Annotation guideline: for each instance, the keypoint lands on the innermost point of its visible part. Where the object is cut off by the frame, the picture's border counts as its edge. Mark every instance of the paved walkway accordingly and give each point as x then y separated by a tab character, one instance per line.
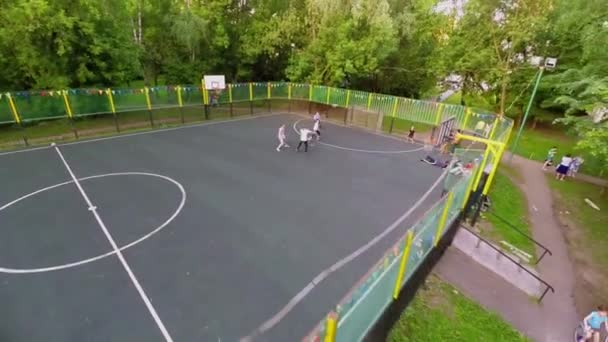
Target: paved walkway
554	319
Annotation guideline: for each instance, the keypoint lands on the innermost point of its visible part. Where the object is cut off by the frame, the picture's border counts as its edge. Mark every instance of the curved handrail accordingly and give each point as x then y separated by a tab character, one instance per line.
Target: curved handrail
547	285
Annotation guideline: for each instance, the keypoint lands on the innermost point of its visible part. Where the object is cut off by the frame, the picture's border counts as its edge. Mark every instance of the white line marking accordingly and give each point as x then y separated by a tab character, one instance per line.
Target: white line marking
124	263
295	128
99	257
159	130
274	320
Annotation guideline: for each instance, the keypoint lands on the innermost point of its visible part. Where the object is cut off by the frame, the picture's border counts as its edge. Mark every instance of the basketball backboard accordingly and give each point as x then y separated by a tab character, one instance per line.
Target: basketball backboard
215	82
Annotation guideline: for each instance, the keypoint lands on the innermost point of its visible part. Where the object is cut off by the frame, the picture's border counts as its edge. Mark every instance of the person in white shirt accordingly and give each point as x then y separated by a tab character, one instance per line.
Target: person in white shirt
564	166
282	138
315	128
304	134
317	117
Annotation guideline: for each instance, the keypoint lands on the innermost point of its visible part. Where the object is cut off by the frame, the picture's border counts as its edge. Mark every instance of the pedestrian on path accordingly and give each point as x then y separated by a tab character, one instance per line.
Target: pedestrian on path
564	166
593	324
317	129
575	166
282	138
550	156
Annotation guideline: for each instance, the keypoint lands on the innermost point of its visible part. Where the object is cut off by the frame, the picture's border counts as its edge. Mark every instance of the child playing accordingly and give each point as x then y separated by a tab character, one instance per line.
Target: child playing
410	135
282	138
550	156
564	166
304	135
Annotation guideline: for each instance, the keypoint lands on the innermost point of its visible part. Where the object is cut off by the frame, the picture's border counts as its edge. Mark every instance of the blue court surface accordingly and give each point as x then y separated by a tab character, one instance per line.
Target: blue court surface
198	233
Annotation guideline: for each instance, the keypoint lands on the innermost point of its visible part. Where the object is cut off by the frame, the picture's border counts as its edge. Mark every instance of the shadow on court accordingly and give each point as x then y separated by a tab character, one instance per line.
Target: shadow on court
220	230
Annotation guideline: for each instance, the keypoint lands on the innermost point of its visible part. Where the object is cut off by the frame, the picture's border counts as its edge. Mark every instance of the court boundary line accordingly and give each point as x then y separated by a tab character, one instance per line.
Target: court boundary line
151	131
105	255
123	261
295	128
302	294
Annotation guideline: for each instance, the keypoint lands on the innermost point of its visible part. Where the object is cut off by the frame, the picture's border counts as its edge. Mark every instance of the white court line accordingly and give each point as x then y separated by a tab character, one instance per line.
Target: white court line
295	128
279	316
159	130
124	263
110	253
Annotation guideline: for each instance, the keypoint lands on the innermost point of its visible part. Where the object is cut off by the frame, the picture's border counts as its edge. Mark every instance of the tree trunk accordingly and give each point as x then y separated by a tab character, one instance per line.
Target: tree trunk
503	96
534	123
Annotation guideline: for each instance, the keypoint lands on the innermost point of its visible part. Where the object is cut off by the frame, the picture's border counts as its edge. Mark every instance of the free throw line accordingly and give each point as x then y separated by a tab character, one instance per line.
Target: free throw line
119	254
300	296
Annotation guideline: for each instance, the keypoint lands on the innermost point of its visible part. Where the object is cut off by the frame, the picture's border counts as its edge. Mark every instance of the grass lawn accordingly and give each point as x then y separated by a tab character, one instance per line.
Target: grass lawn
509	203
585	231
440	313
534	145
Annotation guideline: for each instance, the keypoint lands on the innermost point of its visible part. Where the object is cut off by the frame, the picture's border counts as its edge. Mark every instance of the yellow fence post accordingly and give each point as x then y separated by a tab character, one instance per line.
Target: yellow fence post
66	102
250	91
113	108
179	96
444	217
438	114
395	107
328	92
331	327
230	92
369	101
148	102
269	92
467	115
403	265
11	104
347	98
289	91
310	92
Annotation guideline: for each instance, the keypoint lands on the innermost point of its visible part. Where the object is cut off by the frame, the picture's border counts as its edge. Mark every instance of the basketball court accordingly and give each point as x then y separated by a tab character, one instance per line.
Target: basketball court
198	233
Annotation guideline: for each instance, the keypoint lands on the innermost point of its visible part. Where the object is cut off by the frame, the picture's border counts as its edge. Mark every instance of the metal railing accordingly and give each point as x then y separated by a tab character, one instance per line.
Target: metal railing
539	279
512	226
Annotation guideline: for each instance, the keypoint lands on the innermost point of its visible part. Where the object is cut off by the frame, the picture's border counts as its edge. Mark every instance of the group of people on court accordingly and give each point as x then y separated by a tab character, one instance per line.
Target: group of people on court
305	134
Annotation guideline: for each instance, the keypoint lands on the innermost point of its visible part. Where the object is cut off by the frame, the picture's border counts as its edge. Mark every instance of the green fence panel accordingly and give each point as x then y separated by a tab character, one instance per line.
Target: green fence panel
40	105
163	97
6	115
299	91
370	299
85	103
191	95
260	91
240	92
359	99
337	97
319	94
279	90
130	100
457	112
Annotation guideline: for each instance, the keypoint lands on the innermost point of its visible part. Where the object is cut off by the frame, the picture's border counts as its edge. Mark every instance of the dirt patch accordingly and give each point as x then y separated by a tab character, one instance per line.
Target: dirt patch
436	298
589	277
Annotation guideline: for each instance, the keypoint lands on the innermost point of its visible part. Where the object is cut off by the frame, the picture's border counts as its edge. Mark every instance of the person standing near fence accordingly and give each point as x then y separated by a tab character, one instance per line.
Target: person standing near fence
410	135
317	117
304	136
282	138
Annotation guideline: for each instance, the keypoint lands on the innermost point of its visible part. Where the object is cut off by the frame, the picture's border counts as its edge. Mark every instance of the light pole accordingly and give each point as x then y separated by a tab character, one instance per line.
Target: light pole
549	64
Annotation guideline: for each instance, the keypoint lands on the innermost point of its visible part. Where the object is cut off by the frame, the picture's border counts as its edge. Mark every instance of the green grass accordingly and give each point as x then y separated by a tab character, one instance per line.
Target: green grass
509	203
534	145
571	196
440	313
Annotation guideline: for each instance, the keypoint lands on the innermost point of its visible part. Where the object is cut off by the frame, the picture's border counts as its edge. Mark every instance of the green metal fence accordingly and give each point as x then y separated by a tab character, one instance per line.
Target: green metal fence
102	110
